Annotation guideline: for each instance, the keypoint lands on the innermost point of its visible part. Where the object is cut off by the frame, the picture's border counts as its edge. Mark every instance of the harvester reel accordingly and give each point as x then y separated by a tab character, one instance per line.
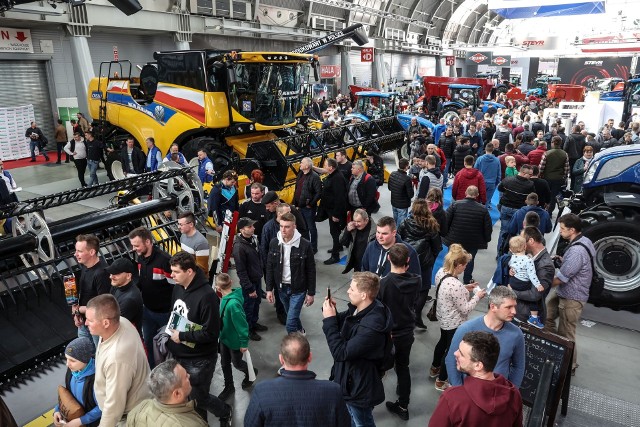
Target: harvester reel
34	224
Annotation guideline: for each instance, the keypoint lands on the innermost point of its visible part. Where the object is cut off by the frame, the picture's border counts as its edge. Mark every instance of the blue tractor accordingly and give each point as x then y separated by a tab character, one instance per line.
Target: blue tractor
609	206
542	86
465	96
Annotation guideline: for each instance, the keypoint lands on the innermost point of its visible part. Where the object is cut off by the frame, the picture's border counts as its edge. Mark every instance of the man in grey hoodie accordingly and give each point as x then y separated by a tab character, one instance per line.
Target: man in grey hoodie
291	267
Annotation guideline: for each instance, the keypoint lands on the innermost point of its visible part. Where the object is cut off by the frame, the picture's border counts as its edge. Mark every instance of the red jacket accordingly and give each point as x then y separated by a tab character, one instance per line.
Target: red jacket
535	156
479	402
465	178
443	159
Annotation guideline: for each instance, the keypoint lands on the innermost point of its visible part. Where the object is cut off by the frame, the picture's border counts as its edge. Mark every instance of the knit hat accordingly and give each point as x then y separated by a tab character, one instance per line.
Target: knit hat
81	349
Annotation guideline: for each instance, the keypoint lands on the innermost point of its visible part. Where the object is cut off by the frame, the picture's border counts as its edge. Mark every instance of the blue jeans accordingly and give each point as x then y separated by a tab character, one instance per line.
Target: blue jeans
361	417
292	306
505	217
93	172
151	322
83	332
491	189
309	215
32	146
399	215
446	173
468	271
251	306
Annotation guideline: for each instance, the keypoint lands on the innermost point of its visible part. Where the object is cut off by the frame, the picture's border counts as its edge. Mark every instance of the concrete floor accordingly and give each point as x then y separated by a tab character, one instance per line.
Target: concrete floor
604	390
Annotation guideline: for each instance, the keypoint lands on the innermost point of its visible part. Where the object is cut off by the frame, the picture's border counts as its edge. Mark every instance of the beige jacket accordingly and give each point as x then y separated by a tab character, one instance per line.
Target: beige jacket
152	413
121	374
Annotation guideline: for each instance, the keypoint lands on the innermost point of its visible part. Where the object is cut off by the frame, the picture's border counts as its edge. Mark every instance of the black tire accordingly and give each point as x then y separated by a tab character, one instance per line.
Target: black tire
402	152
616	237
448	112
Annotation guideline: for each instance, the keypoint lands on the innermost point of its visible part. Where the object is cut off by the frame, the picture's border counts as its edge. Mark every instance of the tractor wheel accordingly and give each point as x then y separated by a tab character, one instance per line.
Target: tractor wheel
616	237
449	113
220	154
402	153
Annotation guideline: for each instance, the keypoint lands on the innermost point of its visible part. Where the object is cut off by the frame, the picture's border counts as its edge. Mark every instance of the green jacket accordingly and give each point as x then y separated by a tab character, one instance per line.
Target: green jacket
234	332
151	412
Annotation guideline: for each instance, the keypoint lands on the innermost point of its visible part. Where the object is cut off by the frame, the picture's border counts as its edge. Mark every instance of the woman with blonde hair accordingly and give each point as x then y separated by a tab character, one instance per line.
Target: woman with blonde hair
420	230
454	306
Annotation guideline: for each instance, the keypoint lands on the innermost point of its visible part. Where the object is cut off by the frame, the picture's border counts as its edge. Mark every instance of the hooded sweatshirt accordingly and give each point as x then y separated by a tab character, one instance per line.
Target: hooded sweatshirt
479	402
286	247
489	166
465	178
234	330
375	258
399	293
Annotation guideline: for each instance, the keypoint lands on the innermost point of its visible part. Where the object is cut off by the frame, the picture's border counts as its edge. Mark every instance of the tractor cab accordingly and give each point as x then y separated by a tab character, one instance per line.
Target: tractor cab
376	105
542	85
631	98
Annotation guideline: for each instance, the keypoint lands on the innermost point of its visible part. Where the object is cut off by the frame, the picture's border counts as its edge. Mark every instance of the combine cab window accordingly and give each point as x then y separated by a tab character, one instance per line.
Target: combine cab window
268	94
182	69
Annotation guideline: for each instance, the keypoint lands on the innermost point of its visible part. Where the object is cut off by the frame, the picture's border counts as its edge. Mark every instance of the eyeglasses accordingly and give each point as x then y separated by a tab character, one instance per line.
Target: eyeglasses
184	223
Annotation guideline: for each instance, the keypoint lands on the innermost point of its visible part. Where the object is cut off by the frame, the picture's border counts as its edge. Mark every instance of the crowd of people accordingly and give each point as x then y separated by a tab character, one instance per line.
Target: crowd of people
150	329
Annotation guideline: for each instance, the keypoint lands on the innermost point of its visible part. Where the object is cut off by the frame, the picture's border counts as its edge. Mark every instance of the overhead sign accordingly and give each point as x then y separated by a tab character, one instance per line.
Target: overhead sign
115	53
450	61
366	54
480	58
501	60
15	40
537	43
329	71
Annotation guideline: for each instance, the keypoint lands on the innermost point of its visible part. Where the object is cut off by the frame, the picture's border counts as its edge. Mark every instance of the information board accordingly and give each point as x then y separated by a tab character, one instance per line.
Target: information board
14	121
541	346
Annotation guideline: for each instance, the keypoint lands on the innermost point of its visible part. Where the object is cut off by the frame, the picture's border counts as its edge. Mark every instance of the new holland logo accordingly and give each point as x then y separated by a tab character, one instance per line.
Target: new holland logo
478	57
499	60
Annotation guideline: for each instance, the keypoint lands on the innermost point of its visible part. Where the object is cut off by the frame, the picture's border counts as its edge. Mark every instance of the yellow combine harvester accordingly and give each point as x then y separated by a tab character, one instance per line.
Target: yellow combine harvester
245	108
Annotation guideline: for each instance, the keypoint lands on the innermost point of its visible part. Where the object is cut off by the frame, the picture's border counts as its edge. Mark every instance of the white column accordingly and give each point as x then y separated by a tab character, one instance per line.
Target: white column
346	76
84	70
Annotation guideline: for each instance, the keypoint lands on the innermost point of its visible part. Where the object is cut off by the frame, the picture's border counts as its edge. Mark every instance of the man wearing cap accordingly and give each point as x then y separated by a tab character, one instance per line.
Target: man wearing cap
122	273
249	269
271	201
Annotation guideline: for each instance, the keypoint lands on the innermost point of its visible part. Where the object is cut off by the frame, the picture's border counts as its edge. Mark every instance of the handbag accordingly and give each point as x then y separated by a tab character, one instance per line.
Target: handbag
70	408
321	214
431	315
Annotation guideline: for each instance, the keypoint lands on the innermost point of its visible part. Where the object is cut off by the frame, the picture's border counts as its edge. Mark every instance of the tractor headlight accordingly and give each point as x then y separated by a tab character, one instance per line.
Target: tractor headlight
591	171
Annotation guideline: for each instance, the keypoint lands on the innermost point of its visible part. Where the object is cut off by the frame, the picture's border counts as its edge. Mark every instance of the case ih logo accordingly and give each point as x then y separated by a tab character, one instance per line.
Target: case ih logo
478	57
499	60
595	63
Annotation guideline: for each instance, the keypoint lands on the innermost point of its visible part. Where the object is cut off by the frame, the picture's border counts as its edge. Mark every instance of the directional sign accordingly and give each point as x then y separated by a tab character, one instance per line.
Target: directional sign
15	40
366	54
450	60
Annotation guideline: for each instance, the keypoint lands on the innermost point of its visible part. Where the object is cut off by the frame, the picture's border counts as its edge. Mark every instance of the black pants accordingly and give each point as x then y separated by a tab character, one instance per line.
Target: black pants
81	165
403	352
441	350
335	228
227	357
201	373
555	185
59	146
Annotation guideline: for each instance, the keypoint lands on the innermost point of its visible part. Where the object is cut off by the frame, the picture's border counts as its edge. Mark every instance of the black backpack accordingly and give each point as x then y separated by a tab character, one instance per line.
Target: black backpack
597	282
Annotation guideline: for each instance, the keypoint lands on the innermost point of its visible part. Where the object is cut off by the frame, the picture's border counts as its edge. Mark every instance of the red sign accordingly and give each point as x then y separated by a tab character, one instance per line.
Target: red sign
450	61
499	60
478	57
329	71
366	54
115	53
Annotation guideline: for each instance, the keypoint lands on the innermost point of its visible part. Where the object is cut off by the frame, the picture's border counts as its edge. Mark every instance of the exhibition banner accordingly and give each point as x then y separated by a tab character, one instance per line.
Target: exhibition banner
579	71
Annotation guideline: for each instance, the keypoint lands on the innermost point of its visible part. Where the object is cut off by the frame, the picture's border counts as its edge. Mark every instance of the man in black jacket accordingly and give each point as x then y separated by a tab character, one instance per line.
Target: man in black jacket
249	268
399	291
574	145
132	158
37	139
470	226
356	339
306	196
122	273
401	189
254	209
515	190
334	203
447	143
361	191
356	236
155	283
291	268
197	349
463	149
271	201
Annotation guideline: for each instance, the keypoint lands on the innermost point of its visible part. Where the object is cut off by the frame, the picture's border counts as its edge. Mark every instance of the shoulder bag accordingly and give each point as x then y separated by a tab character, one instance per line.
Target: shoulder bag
431	315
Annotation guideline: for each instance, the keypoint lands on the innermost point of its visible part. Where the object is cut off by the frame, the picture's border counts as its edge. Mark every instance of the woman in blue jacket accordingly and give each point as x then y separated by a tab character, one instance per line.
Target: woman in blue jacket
79	381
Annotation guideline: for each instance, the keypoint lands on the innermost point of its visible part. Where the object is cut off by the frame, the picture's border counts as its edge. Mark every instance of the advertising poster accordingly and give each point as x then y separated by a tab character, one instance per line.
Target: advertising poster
578	71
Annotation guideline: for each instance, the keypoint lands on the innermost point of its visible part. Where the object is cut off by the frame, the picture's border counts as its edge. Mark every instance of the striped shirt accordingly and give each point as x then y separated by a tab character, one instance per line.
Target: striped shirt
198	246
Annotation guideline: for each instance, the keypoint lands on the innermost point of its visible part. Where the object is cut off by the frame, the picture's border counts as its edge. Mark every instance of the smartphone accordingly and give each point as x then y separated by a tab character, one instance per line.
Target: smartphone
329	294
